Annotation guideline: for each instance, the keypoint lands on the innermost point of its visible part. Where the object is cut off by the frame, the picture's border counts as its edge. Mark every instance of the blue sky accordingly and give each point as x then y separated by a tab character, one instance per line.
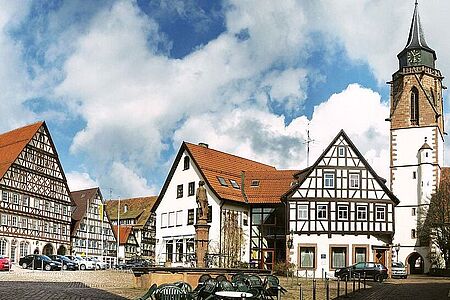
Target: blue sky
122	83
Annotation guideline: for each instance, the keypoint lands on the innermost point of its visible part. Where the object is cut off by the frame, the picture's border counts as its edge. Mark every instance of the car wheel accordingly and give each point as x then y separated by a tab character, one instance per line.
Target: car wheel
24	265
82	267
379	278
48	268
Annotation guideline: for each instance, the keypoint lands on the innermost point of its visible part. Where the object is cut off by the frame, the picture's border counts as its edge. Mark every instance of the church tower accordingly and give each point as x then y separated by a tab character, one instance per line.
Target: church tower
416	142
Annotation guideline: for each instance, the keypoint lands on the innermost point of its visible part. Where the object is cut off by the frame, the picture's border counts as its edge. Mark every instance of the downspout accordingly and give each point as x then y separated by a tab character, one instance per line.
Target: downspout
244	195
220	232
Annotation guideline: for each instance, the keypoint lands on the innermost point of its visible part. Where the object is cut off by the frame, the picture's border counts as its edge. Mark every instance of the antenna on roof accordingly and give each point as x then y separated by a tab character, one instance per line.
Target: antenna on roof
307	142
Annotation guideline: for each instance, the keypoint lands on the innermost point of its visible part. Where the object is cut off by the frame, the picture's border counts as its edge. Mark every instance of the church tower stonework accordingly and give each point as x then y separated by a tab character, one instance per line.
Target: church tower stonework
416	142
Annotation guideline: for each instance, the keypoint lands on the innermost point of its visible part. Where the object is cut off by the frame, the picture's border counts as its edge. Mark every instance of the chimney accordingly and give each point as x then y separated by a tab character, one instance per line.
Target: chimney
203	145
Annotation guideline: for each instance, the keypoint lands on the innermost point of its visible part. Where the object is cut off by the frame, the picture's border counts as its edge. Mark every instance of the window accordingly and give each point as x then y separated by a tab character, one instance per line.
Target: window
414	106
14	221
414	175
360	254
413	233
254	183
222	181
413	211
191	188
342	212
179	215
302	212
25	201
190	216
234	184
179	191
3	247
328	180
380	213
47	205
307	257
341	151
179	250
171	219
15	198
186	163
4	196
354	181
338	257
322	212
4	219
169	250
164	222
361	213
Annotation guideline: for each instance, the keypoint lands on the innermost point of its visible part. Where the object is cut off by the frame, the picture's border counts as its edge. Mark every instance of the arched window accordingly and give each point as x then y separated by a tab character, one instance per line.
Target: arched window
414	106
186	163
3	243
24	248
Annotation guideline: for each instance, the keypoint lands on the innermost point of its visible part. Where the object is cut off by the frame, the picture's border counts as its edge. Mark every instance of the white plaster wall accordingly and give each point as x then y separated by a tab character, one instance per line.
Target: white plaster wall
170	203
323	247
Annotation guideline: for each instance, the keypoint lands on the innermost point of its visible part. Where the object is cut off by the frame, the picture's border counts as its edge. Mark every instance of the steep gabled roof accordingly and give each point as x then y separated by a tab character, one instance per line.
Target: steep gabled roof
13	142
81	199
213	164
125	232
378	179
139	209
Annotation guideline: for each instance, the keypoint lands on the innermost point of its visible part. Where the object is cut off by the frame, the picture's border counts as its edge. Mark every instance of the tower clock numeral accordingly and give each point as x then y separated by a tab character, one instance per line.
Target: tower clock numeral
413	56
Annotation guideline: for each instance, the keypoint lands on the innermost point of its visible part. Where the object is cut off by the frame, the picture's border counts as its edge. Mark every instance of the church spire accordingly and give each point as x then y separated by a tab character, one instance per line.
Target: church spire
416	51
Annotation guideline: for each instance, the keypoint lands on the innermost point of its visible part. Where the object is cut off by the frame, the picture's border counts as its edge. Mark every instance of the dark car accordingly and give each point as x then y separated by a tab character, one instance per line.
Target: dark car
67	264
369	269
38	261
5	263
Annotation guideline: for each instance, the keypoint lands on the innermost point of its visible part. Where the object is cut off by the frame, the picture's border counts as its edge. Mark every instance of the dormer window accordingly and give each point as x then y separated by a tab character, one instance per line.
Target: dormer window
222	181
234	184
186	163
254	183
125	208
414	106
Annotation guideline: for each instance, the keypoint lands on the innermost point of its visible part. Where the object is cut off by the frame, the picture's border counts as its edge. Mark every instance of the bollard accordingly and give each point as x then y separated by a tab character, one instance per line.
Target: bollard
314	289
346	287
278	292
359	282
364	280
322	273
338	287
306	274
297	275
300	291
327	285
243	297
353	287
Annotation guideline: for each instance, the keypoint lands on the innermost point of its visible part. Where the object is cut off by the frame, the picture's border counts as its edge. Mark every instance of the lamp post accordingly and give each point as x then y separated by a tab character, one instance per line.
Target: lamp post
397	248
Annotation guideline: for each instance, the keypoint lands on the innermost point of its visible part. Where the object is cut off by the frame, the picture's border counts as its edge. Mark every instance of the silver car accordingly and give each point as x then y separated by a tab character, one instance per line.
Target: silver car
399	270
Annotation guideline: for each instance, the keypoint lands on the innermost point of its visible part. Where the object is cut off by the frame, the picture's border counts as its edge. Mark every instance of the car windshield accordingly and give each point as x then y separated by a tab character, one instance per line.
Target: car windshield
64	258
45	257
398	265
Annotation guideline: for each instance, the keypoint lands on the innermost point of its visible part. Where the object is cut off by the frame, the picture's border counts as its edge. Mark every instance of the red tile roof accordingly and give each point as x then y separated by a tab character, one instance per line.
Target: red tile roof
13	142
125	231
213	164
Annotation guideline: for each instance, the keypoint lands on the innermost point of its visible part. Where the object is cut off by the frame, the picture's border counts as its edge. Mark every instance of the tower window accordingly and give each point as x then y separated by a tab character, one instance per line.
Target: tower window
413	234
414	175
414	106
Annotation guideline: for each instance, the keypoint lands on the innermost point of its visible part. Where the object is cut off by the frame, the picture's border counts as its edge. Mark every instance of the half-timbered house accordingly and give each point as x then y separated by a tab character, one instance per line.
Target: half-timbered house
339	212
137	214
91	232
35	206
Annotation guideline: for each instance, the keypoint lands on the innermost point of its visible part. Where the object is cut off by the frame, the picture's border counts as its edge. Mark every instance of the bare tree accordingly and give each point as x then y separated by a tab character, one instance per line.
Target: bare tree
232	239
435	228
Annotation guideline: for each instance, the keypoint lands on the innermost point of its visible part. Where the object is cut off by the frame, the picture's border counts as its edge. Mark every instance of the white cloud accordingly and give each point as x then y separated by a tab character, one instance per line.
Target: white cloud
80	181
126	183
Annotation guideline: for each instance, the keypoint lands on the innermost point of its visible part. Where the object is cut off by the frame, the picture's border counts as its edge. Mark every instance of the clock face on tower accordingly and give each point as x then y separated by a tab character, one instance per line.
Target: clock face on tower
413	56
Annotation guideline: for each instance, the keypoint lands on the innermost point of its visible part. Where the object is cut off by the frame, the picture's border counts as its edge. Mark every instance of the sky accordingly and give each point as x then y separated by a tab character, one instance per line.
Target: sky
121	84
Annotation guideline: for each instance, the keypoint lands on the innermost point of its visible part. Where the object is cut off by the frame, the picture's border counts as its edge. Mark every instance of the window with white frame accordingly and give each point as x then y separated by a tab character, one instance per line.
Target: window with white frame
380	213
302	212
3	248
16	198
14	221
179	216
341	151
307	257
171	219
5	196
164	218
25	200
354	181
322	211
338	257
342	212
328	180
23	248
361	212
4	219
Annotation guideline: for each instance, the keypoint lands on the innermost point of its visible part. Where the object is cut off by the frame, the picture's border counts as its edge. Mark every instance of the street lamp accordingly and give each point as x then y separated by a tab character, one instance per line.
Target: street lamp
290	241
397	248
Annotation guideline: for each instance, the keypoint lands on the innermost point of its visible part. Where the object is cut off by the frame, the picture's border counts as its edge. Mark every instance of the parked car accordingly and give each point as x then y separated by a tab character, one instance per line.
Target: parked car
5	263
82	263
67	264
38	261
372	270
399	270
100	265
